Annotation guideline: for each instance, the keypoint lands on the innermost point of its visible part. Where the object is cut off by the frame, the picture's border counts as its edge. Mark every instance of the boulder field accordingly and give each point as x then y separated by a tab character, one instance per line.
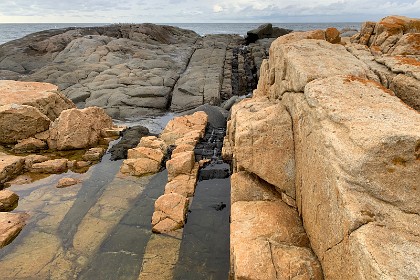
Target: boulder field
326	159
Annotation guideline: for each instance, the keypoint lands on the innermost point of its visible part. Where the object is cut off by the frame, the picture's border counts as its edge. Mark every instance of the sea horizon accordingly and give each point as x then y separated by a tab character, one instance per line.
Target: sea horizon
13	31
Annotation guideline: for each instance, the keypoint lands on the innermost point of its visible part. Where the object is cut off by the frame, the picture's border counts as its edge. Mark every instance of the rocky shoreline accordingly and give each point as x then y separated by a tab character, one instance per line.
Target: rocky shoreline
322	138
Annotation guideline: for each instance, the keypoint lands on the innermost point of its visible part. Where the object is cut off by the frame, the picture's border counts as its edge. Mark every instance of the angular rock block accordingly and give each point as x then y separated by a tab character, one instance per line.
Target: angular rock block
170	212
182	163
269	242
179	126
8	200
357	157
10	226
54	166
89	123
94	154
140	166
18	122
10	167
262	139
42	96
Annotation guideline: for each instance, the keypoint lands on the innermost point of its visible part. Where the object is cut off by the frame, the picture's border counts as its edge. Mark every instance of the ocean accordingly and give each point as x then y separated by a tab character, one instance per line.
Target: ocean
12	31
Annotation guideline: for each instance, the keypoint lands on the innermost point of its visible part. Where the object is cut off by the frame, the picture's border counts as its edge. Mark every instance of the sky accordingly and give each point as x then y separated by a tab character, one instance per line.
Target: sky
206	11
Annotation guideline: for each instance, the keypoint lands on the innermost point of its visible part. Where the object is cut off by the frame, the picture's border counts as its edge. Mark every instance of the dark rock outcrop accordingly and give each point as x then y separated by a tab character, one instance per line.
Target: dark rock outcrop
130	139
265	31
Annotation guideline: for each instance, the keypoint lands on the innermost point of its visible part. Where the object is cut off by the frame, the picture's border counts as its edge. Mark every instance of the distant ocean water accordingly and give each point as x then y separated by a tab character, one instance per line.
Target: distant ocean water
12	31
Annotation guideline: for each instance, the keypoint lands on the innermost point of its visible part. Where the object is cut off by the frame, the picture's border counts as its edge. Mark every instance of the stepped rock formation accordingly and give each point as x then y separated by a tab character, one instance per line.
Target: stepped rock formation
355	147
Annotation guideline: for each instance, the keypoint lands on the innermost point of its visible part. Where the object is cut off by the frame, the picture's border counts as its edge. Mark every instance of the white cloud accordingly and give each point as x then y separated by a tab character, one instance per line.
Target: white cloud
203	11
217	8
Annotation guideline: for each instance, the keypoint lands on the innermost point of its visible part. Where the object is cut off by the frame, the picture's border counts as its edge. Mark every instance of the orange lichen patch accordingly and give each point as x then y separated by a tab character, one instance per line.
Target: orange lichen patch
408	60
332	35
350	79
414	40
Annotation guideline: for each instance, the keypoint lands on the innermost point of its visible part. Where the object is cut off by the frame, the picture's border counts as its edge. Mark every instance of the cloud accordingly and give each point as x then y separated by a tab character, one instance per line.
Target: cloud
217	8
160	11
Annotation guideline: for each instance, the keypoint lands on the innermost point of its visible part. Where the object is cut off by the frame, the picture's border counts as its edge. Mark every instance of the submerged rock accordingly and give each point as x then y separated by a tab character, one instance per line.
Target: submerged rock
10	226
10	167
8	200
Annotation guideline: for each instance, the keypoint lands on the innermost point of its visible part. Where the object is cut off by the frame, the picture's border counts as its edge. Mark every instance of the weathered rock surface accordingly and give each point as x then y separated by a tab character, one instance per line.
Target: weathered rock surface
180	127
78	129
10	226
181	163
10	167
8	200
261	134
393	35
170	211
362	145
292	66
18	122
43	96
407	89
203	78
126	69
53	166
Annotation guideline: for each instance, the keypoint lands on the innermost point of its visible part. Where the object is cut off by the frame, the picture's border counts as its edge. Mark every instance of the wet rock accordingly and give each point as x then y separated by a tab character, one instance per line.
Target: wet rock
42	96
31	159
18	122
82	164
10	167
67	182
8	200
19	180
130	139
78	129
94	154
30	145
10	226
170	212
54	166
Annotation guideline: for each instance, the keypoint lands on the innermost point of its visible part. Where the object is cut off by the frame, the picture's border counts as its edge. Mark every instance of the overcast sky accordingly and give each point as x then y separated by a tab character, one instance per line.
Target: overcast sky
178	11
